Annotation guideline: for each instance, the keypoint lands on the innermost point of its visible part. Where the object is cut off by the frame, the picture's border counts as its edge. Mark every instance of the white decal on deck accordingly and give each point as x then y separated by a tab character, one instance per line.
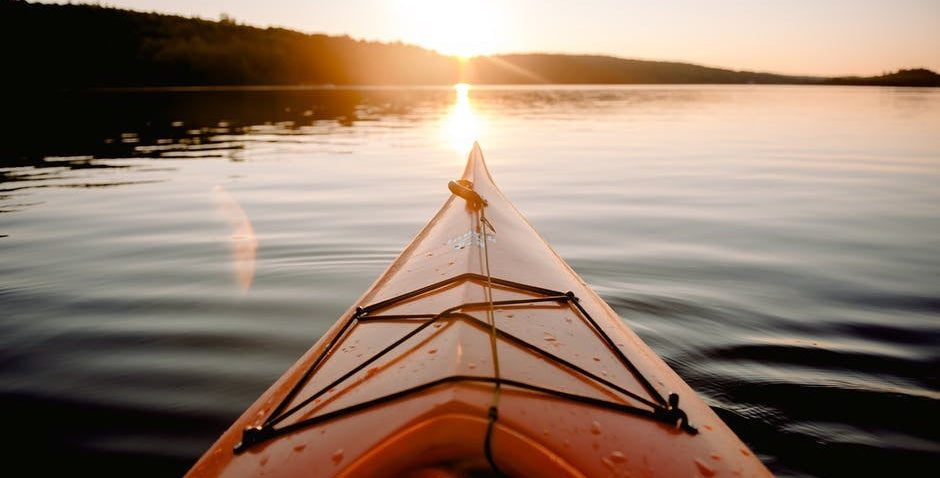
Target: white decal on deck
471	238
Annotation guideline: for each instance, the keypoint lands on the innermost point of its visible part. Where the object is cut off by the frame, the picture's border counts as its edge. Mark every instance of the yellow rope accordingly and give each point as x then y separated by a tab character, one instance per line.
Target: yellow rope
491	318
490	312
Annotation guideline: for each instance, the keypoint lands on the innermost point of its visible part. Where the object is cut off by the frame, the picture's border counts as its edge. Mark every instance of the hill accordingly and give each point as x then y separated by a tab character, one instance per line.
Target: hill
82	46
595	69
912	77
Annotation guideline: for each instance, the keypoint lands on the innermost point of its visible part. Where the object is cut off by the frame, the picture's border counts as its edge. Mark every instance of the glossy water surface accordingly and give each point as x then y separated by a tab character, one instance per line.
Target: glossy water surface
166	255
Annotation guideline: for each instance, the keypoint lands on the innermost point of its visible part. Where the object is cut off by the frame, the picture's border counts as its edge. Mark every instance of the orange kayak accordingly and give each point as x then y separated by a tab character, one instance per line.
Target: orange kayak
479	352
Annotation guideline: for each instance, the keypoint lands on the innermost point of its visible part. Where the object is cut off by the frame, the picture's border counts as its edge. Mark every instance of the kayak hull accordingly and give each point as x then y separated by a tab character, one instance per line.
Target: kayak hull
479	349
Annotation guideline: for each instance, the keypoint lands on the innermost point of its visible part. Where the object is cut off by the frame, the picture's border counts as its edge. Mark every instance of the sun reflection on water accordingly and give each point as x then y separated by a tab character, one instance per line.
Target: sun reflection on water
463	124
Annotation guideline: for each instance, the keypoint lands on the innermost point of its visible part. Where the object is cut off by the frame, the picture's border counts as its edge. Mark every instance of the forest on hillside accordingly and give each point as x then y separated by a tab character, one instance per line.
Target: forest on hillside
81	46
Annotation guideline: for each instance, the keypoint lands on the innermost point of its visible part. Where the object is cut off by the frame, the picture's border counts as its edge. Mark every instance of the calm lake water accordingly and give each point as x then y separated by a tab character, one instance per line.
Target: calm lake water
779	246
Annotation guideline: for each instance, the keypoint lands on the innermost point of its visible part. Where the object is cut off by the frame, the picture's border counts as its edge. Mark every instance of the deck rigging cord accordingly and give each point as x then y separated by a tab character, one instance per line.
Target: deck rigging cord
493	413
656	406
477	205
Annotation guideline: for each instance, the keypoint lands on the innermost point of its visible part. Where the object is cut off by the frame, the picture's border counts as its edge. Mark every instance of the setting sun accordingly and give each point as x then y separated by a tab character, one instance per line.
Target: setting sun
460	28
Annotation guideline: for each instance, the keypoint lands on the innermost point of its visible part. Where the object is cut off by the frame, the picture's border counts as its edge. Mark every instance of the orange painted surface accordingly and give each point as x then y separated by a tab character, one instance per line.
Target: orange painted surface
440	427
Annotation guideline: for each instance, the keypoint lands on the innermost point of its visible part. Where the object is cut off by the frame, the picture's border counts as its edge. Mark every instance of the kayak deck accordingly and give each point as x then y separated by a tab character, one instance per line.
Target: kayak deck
479	348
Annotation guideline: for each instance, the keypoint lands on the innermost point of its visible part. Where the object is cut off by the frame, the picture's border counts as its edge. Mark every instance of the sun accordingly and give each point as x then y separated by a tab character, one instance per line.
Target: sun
452	27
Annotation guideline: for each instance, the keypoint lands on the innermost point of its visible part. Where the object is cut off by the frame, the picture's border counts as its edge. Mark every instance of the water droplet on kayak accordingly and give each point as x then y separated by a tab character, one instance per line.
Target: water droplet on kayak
432	351
745	452
299	447
617	457
509	316
704	469
595	428
709	427
716	457
549	337
337	456
471	365
597	359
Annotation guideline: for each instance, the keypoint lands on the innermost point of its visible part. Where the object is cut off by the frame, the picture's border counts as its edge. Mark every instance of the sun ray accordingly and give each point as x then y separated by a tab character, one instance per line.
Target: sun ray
510	66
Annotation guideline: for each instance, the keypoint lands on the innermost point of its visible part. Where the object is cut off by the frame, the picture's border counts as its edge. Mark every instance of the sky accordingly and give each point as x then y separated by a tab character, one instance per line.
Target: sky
800	37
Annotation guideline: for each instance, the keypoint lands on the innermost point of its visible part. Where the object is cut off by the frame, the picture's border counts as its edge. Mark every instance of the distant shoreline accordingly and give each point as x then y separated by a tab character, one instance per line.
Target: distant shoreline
74	46
479	87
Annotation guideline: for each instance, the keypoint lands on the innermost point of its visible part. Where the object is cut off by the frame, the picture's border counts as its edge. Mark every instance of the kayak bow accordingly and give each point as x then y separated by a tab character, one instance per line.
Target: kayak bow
479	351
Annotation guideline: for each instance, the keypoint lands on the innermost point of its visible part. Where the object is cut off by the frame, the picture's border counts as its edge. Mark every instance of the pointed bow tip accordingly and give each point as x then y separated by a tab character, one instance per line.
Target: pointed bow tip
476	167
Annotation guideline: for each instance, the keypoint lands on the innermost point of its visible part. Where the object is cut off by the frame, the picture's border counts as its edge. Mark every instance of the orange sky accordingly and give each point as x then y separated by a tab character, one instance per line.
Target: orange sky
813	37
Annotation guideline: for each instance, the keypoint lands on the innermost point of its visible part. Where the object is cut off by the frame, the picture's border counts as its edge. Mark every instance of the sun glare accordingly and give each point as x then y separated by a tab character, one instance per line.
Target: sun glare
452	27
463	125
244	242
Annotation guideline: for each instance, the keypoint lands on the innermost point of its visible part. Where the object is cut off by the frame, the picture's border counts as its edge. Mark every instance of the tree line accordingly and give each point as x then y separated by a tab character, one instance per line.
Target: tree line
81	46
